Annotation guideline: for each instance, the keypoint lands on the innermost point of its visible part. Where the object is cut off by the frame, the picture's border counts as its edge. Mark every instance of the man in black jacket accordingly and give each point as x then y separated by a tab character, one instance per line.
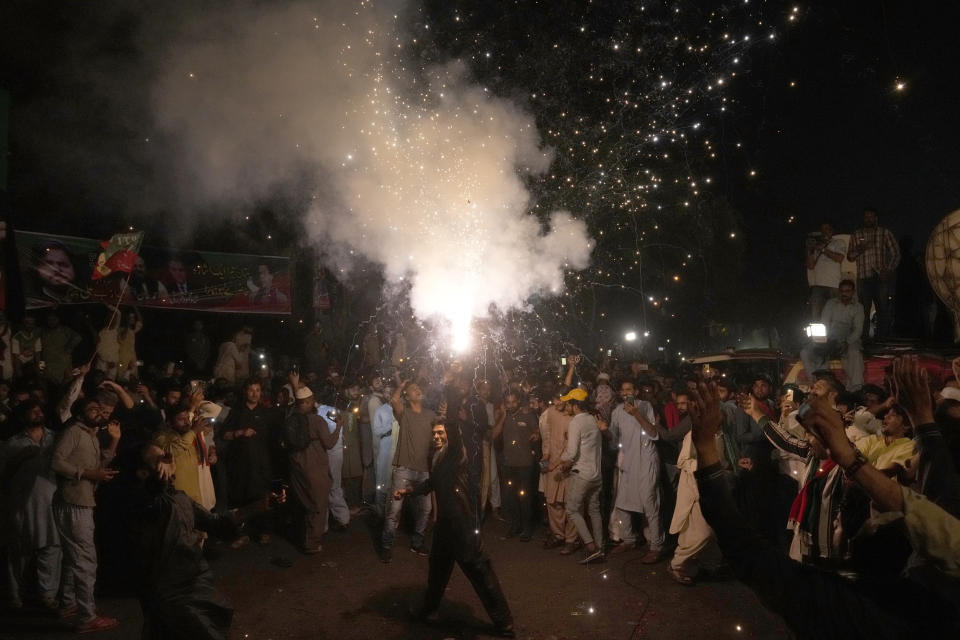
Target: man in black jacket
456	535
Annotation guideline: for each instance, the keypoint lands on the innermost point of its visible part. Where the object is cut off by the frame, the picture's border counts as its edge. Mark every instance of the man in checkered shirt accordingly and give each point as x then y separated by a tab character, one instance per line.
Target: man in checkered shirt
877	255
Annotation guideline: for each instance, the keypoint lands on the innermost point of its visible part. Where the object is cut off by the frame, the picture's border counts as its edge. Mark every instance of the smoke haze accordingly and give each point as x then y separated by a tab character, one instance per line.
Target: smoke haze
420	170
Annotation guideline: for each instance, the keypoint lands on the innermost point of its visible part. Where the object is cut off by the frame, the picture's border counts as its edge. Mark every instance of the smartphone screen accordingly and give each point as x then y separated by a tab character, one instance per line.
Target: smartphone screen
563	360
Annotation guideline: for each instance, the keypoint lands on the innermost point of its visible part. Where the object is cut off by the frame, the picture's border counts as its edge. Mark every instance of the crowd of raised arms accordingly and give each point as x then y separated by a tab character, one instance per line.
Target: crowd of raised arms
839	508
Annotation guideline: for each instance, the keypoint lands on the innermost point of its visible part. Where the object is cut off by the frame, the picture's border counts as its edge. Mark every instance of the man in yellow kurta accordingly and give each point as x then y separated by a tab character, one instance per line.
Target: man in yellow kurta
891	447
179	440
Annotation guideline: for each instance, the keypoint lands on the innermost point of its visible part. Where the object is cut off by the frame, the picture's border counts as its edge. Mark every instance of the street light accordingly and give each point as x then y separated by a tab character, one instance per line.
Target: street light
631	336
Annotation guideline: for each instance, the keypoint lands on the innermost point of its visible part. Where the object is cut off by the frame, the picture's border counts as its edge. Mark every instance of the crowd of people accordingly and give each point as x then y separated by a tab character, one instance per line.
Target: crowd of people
854	493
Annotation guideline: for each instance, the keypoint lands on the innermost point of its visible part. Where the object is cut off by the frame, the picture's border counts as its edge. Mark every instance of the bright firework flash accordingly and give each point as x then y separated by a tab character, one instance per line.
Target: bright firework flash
419	170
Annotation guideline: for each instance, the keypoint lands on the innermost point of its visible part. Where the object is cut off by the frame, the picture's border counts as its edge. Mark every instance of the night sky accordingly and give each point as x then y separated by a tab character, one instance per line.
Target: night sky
812	127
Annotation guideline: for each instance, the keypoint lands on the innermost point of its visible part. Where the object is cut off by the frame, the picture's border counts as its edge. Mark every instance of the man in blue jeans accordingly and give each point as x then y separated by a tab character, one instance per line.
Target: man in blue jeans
410	465
581	459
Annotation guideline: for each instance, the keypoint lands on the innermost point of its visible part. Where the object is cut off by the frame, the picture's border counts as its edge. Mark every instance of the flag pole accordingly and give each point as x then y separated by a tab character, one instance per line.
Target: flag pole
116	307
113	315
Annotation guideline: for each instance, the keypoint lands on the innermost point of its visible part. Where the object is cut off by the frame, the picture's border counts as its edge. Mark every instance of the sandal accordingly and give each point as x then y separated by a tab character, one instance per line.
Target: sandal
100	623
68	612
681	577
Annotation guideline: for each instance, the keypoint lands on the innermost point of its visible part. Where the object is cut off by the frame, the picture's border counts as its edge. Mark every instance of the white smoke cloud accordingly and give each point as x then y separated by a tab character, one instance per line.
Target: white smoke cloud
421	170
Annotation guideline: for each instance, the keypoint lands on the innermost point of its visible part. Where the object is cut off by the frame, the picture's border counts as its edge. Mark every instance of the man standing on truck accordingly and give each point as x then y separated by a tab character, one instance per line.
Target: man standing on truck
843	318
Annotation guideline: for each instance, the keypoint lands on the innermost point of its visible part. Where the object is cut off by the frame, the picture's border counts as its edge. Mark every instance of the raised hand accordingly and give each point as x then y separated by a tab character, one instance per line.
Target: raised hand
752	409
195	397
601	424
913	389
706	420
826	424
113	428
105	474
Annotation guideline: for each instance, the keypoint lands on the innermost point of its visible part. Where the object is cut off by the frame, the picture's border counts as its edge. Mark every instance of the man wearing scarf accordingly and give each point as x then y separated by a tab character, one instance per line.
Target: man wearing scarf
816	507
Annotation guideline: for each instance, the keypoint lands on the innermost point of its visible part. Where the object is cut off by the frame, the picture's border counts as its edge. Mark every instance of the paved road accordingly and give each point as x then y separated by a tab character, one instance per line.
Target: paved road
345	592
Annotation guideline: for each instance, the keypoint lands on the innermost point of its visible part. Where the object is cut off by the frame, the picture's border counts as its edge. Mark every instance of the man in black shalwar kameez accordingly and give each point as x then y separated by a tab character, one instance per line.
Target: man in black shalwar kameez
456	535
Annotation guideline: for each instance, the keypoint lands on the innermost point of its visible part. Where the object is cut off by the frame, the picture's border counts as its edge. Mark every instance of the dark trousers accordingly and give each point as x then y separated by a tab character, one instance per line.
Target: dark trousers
875	290
454	541
608	466
517	491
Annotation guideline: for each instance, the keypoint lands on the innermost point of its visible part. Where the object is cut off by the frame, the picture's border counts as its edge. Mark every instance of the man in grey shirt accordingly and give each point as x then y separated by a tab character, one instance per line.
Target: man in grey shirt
581	459
843	318
410	465
80	465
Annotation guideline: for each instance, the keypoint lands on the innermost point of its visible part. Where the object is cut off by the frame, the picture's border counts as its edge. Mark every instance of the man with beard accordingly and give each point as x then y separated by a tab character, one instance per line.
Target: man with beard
29	486
80	465
456	538
634	430
877	254
179	441
247	435
760	390
308	439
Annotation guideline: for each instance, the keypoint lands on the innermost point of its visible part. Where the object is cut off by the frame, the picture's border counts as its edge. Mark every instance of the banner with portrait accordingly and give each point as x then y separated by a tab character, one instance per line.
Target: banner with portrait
59	270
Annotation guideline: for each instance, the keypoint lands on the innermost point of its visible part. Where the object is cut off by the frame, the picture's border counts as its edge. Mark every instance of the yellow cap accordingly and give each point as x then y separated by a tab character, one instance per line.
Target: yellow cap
577	394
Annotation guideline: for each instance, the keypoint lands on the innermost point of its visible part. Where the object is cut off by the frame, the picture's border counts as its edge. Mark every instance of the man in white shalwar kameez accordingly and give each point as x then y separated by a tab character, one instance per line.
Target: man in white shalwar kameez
28	525
696	544
385	428
338	501
633	431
